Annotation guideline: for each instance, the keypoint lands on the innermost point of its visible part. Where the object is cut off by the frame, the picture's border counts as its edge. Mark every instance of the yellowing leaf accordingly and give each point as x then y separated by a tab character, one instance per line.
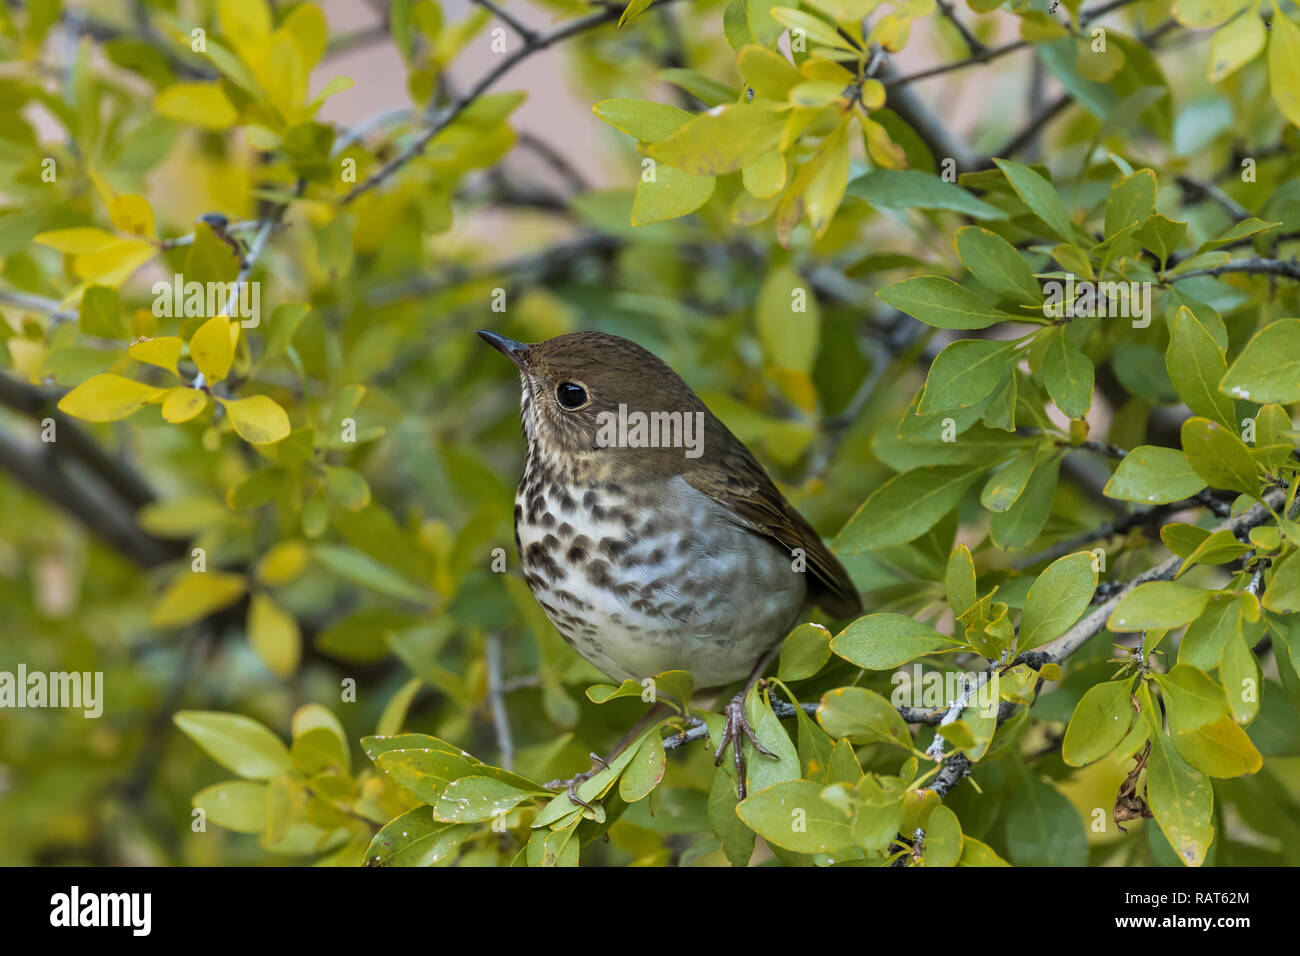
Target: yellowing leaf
257	420
1284	66
212	348
1234	45
107	398
1202	14
247	25
78	241
309	30
721	140
194	595
163	351
183	403
282	563
672	193
285	77
196	104
274	635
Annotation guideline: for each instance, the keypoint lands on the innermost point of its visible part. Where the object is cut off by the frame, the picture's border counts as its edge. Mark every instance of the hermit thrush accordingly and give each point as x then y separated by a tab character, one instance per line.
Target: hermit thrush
650	535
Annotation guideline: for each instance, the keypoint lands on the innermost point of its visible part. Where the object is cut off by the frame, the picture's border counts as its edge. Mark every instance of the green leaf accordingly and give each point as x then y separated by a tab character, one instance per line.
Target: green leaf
1201	728
1200	14
864	715
1153	475
997	265
913	189
101	314
1181	800
1239	671
238	805
906	506
1268	368
1040	196
1056	599
804	652
965	373
881	642
793	816
1131	203
416	839
1157	604
1020	525
943	839
1045	829
473	799
236	742
944	304
644	771
1100	721
1068	375
363	570
1160	235
1282	596
959	580
789	320
736	838
1008	483
1219	456
1202	643
1196	365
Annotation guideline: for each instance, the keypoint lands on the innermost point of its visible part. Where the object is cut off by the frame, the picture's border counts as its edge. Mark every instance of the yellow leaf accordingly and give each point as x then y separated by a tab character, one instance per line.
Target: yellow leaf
310	32
132	214
1284	66
78	241
196	104
194	595
257	420
183	403
884	152
212	349
164	352
285	78
113	264
282	563
107	398
274	635
247	25
28	357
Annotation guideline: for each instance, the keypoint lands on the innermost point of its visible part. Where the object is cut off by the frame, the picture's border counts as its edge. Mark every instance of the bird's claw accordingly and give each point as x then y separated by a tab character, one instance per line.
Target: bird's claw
572	783
734	734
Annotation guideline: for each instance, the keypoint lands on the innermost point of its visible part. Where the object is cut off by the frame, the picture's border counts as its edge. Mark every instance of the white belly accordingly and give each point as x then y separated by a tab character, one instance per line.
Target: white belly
705	596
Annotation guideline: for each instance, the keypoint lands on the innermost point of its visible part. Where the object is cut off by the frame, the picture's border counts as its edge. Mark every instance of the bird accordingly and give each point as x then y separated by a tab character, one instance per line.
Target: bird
649	534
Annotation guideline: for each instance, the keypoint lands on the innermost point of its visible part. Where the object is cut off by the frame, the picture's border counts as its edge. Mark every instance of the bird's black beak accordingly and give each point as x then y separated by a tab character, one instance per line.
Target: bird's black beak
517	352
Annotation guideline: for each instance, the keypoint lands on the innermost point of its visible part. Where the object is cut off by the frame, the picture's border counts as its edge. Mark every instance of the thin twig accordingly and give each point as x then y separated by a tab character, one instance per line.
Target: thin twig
1276	267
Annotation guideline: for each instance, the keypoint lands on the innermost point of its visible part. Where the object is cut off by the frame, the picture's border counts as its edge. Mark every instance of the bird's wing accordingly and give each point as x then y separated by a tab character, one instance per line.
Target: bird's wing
738	482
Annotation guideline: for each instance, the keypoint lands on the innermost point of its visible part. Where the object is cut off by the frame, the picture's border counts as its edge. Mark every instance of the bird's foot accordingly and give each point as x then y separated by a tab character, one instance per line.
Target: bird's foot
572	783
734	735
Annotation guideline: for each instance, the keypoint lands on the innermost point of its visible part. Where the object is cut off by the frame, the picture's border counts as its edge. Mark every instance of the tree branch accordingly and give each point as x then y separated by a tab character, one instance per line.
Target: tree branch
1277	267
536	43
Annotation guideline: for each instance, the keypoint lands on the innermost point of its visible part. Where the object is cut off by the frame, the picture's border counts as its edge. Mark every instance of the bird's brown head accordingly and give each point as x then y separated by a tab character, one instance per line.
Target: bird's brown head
578	387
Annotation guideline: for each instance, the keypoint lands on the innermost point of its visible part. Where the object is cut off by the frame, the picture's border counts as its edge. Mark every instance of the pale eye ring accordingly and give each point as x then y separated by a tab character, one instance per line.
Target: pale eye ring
570	395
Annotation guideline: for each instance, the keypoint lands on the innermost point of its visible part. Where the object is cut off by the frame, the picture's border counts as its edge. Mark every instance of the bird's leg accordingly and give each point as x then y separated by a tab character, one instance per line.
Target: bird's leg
738	729
599	763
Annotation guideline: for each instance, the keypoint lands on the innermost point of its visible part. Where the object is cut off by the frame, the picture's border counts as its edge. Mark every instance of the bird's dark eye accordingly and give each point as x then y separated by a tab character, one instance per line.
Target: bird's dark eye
570	395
